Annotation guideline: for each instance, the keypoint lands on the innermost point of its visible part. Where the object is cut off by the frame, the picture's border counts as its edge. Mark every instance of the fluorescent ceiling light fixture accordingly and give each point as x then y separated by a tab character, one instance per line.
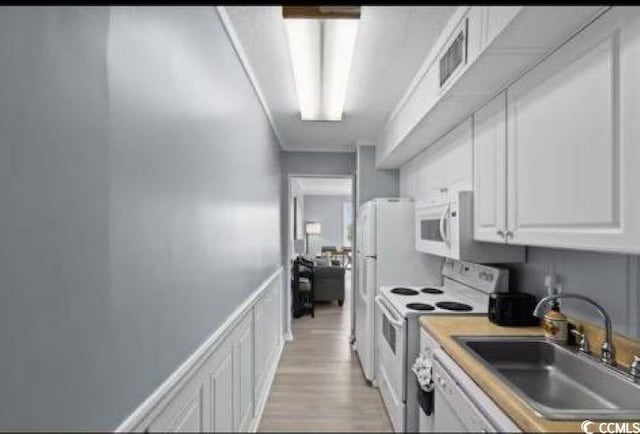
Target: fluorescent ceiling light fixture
321	53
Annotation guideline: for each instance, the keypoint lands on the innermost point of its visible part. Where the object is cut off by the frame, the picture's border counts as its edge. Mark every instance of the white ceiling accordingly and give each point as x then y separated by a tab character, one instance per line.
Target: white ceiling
391	45
322	186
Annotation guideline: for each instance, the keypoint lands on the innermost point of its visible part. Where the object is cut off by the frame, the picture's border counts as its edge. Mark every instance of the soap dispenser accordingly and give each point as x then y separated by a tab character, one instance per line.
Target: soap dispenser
555	324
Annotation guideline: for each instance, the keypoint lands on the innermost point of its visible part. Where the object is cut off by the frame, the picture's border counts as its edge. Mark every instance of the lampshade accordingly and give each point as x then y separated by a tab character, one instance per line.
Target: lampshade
313	228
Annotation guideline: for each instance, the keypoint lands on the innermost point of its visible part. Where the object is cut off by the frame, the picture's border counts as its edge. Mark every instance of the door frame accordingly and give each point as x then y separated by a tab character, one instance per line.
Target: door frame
290	252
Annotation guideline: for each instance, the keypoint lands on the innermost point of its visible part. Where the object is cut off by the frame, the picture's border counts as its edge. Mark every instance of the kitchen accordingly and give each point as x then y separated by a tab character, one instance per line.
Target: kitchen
491	155
525	161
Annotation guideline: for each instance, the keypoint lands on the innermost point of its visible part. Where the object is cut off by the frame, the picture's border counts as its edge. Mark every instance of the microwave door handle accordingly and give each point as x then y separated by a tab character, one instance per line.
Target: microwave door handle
443	230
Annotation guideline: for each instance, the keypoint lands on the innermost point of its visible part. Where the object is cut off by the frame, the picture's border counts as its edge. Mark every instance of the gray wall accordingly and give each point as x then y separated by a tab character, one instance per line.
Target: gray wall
326	210
372	182
319	163
138	209
610	279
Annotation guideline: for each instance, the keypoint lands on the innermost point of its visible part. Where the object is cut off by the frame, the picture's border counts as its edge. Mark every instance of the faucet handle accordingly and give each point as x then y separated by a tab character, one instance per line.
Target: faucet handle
583	343
634	369
608	354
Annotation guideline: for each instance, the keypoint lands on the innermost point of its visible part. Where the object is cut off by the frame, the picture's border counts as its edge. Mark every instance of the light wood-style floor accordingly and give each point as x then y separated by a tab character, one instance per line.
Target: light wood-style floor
319	384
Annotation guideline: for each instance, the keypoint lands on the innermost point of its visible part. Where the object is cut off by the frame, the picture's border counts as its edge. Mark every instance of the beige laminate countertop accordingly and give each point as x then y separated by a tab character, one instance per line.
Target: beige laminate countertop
444	328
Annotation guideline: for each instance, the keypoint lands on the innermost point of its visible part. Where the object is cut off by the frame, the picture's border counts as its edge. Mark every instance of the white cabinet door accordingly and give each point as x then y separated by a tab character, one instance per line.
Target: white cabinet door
458	145
429	176
434	176
573	142
490	171
445	167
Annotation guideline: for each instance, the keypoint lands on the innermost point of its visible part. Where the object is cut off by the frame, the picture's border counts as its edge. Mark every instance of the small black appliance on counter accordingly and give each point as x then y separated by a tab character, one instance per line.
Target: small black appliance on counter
512	309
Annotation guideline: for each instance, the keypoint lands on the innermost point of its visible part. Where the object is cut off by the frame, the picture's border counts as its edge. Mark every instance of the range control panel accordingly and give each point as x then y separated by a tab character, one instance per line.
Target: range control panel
482	277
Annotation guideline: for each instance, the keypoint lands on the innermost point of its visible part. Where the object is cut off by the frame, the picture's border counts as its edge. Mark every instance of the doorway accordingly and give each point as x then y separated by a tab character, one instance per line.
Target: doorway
321	228
319	372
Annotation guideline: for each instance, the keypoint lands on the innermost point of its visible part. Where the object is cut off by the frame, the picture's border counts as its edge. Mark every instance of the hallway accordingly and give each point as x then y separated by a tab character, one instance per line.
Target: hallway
319	385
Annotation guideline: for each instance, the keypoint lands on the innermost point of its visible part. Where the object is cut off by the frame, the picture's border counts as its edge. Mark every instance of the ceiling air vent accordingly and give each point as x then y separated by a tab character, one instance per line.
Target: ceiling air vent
455	55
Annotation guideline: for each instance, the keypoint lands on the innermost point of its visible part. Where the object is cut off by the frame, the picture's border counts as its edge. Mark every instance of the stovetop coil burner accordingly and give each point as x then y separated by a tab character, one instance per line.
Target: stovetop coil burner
454	305
420	306
404	291
431	291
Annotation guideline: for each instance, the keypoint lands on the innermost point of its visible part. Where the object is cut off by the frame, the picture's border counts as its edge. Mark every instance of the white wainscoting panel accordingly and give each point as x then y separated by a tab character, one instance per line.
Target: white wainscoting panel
223	386
243	375
191	418
222	392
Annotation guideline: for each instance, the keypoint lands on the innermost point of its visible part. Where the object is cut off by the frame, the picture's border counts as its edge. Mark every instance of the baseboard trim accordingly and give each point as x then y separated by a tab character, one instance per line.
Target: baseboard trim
288	337
255	423
151	406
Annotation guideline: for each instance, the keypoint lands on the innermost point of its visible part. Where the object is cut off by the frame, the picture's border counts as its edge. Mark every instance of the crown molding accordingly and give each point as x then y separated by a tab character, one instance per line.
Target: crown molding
244	60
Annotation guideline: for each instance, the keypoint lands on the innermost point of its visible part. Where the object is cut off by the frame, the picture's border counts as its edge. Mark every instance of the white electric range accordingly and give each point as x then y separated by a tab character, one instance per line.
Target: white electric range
465	290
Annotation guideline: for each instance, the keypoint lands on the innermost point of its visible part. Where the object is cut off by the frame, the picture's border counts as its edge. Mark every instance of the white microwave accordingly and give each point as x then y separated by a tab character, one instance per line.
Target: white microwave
444	227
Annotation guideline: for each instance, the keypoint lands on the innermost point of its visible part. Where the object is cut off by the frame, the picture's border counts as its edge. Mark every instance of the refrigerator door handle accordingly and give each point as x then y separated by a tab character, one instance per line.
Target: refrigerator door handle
362	283
372	256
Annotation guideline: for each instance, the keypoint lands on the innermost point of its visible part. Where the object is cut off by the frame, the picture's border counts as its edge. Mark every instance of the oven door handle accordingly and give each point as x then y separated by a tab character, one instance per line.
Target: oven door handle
387	312
443	231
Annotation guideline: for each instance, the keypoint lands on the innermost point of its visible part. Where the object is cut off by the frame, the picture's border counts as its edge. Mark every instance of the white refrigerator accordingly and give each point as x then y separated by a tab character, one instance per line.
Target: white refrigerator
386	256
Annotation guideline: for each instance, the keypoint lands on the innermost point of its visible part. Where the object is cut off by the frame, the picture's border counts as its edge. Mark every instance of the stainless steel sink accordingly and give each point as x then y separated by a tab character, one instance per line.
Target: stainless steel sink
556	381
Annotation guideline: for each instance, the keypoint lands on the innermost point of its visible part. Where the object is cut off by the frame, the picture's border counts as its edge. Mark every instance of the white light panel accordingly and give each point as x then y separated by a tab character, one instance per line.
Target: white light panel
321	54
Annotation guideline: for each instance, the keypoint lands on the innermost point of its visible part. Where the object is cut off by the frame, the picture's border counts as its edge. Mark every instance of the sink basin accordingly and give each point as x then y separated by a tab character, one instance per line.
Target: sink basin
556	381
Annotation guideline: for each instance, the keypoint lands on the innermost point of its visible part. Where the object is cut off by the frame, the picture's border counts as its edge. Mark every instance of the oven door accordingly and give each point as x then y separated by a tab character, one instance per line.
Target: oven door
392	341
433	229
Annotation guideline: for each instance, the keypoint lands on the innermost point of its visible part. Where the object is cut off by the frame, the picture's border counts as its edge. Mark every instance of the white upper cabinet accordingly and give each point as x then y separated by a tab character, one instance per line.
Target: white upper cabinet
573	144
480	51
443	168
432	177
489	171
459	157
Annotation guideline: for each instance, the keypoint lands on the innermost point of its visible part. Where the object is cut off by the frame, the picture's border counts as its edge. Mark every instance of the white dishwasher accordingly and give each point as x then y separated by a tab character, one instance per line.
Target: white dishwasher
460	405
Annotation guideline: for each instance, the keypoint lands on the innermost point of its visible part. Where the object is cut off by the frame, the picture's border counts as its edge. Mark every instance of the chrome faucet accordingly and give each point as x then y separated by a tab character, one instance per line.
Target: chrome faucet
608	354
